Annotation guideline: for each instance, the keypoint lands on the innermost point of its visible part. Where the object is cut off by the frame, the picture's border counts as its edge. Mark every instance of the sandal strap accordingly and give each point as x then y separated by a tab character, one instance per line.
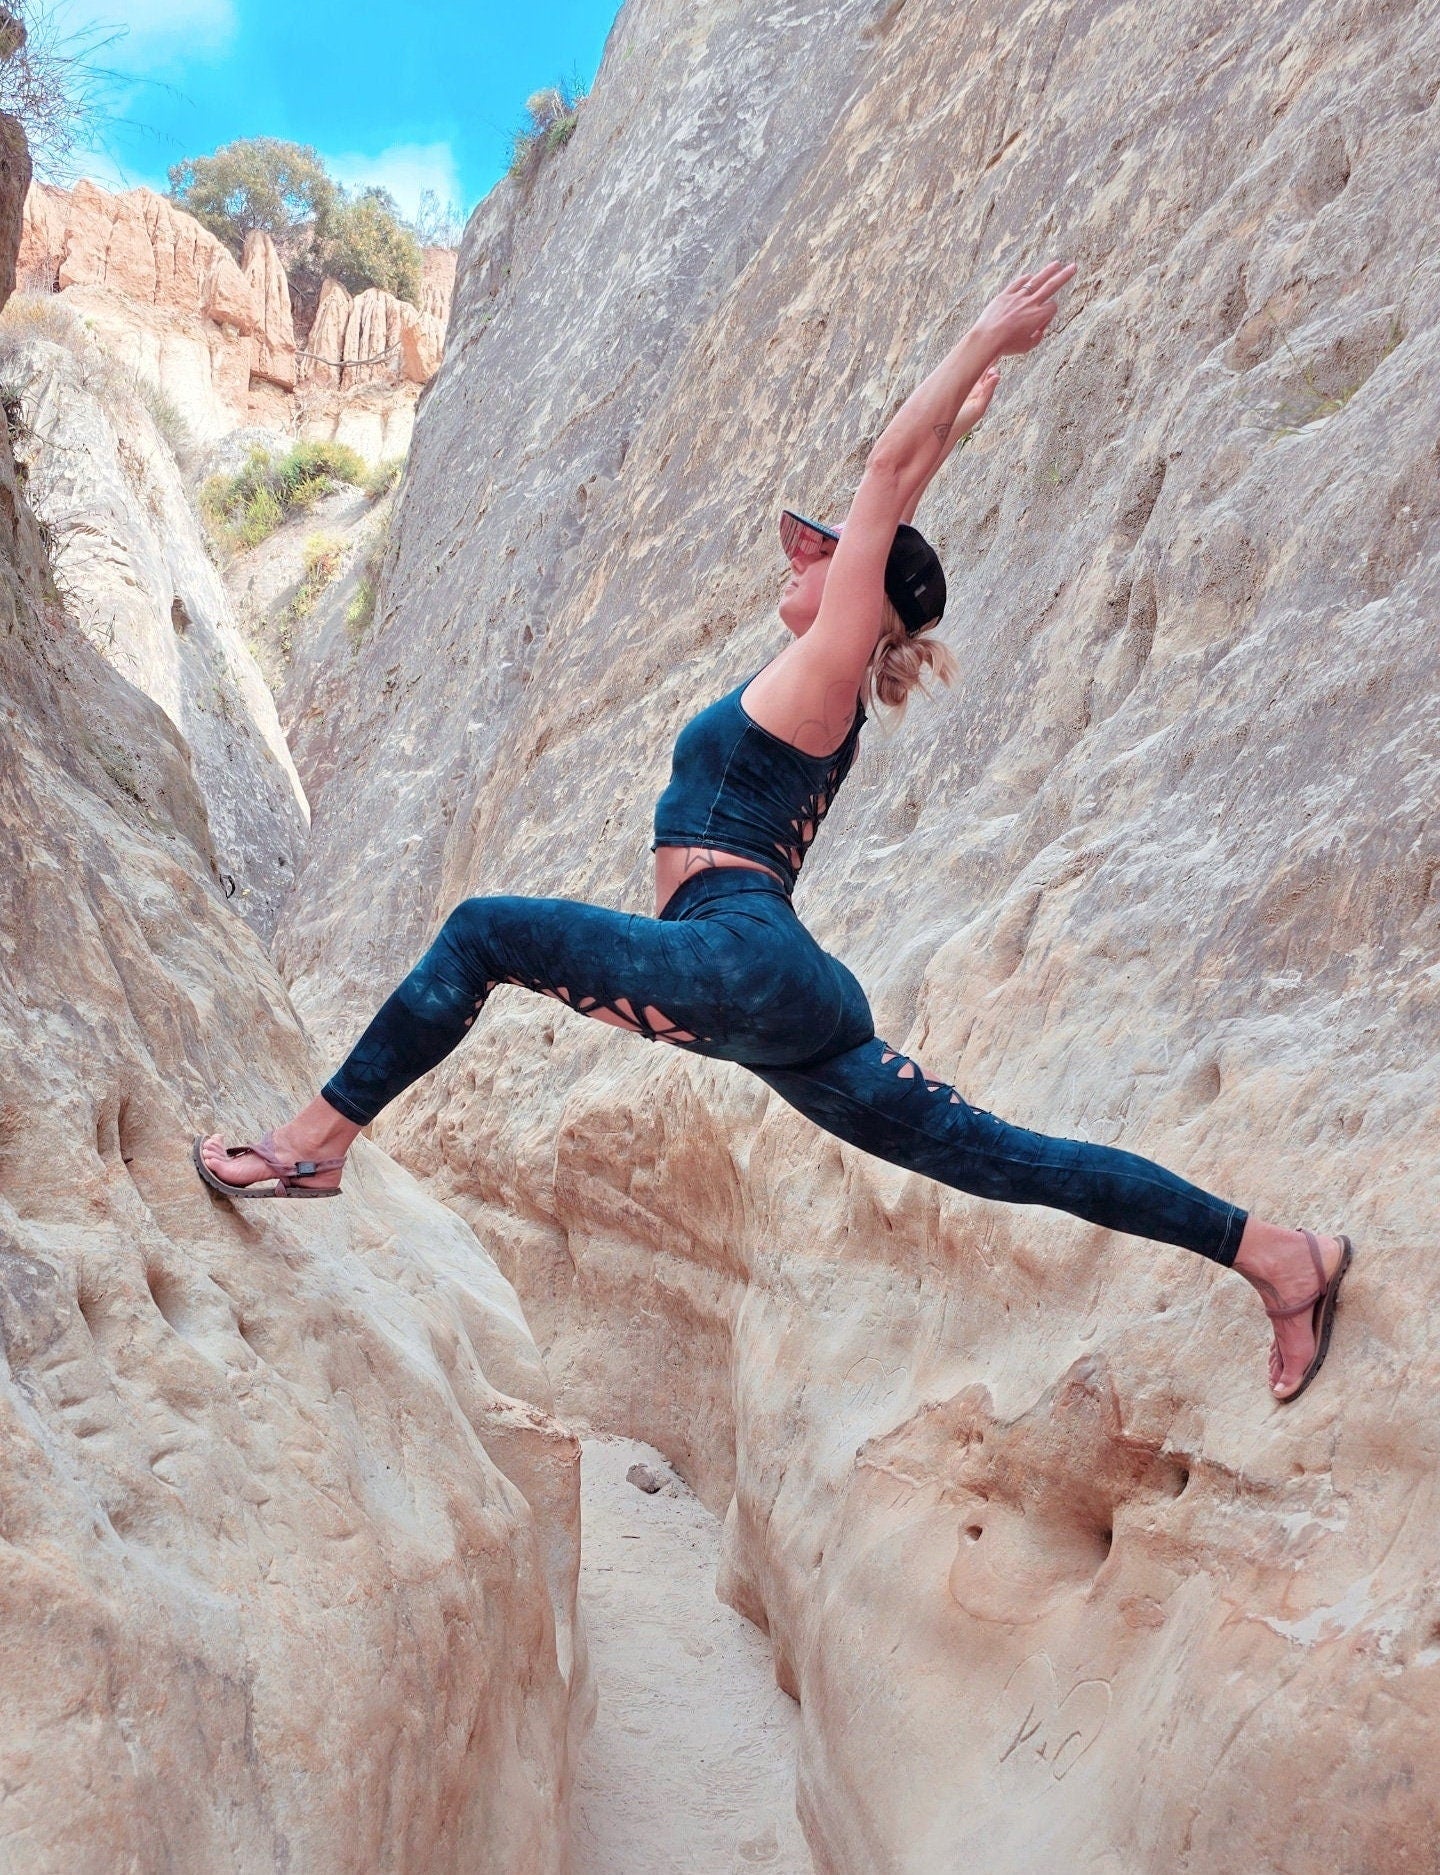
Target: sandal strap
1296	1308
1312	1243
264	1148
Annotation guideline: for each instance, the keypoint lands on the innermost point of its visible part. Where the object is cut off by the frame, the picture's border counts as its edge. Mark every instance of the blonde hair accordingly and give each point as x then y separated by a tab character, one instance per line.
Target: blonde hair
900	663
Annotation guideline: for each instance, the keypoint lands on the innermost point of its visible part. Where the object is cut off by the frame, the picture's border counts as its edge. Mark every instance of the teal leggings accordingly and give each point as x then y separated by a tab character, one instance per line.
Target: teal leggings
729	971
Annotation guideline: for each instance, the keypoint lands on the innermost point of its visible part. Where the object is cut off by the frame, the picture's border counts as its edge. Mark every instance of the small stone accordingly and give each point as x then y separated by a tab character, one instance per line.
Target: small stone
645	1478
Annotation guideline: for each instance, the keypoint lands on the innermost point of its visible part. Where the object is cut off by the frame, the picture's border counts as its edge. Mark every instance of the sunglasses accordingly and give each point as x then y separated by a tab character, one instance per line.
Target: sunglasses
802	540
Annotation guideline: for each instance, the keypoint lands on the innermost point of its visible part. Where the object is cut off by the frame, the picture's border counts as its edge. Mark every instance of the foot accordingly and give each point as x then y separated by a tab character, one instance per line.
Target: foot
316	1132
1278	1266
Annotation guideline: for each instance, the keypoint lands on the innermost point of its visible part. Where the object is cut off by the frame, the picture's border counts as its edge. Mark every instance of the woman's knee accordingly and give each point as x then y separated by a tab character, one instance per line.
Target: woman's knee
462	954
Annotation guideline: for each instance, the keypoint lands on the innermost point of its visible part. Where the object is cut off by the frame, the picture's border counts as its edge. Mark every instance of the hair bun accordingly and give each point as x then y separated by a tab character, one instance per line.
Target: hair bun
902	662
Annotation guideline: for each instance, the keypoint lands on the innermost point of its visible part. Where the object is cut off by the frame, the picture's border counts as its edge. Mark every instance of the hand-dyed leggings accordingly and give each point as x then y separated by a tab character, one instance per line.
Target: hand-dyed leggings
728	970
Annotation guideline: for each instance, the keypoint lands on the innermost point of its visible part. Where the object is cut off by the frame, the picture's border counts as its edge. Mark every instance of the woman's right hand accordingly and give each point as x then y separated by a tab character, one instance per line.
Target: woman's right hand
1016	319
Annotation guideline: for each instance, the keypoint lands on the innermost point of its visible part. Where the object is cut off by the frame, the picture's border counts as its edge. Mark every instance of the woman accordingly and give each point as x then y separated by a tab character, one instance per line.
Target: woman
726	969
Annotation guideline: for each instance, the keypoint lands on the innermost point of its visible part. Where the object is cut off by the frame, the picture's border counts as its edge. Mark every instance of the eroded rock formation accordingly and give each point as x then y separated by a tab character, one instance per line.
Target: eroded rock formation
167	298
274	358
1054	1580
289	1529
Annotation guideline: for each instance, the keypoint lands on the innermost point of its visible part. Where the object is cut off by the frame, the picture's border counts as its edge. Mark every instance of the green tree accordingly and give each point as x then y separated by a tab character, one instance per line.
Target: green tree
367	244
259	182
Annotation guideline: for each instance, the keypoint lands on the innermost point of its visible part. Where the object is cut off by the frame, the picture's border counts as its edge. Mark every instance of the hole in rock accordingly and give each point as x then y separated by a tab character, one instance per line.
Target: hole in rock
171	1296
91	1311
100	1315
974	1531
107	1131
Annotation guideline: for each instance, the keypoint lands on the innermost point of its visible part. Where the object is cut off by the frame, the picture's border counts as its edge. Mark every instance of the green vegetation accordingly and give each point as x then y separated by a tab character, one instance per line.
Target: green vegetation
367	244
550	119
320	564
360	239
383	477
257	182
240	510
12	404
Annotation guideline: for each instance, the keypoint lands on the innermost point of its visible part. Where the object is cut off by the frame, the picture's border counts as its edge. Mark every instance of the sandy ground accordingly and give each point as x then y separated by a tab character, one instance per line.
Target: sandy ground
690	1769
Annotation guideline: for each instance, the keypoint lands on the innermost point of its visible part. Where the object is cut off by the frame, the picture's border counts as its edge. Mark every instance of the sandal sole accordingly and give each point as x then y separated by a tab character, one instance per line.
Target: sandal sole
1327	1304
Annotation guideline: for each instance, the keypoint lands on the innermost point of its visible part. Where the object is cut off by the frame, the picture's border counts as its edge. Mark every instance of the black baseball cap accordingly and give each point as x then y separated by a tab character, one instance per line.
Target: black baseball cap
914	577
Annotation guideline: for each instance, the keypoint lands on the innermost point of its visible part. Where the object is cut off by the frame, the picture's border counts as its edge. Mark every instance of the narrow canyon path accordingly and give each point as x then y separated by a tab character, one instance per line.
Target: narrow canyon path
690	1768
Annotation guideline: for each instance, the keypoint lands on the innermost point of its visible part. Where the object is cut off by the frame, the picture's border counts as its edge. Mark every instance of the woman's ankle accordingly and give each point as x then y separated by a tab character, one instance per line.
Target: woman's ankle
318	1131
1266	1250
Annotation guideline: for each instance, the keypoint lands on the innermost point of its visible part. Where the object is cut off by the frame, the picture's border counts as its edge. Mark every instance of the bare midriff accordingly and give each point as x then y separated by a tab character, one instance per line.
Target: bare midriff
675	864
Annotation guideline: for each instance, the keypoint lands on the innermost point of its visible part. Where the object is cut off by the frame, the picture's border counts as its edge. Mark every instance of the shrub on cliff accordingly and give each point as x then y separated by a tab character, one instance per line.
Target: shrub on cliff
550	119
383	477
240	510
44	317
50	80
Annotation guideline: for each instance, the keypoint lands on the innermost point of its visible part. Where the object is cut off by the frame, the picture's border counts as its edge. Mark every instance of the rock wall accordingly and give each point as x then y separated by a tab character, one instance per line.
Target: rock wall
217	338
1054	1580
289	1529
131	569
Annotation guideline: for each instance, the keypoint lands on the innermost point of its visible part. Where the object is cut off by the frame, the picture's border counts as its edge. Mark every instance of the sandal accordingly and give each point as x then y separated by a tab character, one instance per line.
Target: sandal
285	1170
1323	1301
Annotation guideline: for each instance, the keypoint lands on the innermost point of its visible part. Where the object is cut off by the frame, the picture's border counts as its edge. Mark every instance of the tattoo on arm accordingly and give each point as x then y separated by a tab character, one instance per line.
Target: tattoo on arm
942	430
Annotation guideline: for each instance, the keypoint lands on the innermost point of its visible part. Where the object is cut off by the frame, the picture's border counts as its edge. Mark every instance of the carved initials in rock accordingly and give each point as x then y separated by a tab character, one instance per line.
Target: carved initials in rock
1037	1724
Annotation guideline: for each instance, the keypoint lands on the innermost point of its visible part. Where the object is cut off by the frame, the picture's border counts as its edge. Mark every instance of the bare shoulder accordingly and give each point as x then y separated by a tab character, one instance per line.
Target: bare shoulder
800	698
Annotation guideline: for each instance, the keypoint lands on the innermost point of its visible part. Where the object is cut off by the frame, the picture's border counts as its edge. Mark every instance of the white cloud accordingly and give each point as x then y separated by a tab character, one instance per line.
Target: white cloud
148	32
104	167
405	169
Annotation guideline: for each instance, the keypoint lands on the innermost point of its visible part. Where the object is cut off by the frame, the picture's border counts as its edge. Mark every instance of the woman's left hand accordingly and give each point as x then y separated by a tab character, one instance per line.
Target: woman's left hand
978	402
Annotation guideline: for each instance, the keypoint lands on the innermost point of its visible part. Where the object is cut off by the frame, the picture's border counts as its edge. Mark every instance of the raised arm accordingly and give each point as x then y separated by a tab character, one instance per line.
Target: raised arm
928	424
807	694
971	411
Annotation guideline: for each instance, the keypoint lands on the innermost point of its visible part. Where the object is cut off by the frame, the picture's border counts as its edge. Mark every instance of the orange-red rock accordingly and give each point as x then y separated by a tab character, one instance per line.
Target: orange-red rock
274	356
138	245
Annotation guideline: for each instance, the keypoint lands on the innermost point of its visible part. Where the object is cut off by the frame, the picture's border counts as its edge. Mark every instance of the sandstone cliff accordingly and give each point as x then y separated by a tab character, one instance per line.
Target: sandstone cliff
218	338
289	1530
1055	1582
132	571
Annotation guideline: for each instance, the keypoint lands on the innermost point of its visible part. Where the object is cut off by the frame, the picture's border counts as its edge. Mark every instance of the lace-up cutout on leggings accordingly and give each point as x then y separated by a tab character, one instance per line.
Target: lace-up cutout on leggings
728	971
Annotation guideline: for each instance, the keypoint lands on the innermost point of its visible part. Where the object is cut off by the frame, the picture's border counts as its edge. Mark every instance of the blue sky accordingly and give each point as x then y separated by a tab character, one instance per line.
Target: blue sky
410	96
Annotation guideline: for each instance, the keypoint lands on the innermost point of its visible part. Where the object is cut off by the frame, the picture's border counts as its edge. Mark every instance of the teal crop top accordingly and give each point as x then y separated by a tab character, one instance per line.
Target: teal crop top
735	787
